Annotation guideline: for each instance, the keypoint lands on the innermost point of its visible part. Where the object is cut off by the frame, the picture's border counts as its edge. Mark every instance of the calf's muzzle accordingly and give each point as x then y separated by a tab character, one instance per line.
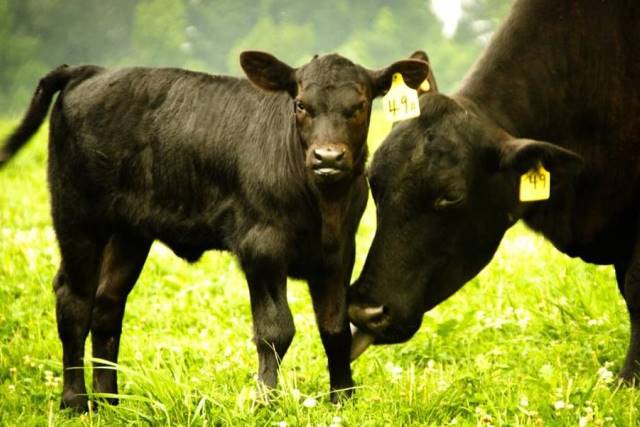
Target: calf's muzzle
329	162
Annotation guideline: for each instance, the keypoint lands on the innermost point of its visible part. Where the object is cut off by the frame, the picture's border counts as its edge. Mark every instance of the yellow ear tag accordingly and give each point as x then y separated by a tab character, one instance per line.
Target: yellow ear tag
535	185
401	102
425	86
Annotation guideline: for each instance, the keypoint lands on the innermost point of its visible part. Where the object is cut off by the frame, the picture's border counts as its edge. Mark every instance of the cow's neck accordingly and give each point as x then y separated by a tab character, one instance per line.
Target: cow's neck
564	72
537	67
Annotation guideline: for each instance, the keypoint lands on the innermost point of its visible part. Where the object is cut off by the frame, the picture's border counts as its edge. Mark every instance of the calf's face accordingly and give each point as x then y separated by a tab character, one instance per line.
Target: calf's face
331	100
446	189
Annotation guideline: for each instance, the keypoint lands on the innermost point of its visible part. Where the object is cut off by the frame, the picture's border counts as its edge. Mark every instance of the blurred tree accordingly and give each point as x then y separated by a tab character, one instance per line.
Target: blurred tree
292	43
78	31
216	25
393	33
19	61
480	18
159	36
37	35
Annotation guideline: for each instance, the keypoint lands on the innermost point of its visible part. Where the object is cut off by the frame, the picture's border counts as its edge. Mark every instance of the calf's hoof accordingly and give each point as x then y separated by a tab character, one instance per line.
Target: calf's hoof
75	401
113	401
630	377
262	394
341	395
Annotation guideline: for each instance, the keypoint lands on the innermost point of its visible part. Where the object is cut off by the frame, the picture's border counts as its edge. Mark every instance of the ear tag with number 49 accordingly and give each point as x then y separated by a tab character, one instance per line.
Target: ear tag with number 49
401	102
535	185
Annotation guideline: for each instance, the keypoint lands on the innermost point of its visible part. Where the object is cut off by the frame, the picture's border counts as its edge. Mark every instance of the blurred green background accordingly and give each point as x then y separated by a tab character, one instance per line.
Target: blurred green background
208	35
534	340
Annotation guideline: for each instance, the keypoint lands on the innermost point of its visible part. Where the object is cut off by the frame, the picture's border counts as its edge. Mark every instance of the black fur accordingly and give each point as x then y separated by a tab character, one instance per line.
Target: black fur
206	162
556	85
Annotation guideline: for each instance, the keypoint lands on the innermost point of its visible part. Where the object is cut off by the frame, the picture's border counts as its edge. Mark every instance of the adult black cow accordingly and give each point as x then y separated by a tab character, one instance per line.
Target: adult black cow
271	171
557	86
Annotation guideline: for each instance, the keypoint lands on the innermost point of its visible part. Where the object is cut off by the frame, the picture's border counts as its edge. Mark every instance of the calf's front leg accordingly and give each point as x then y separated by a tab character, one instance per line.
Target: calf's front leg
329	295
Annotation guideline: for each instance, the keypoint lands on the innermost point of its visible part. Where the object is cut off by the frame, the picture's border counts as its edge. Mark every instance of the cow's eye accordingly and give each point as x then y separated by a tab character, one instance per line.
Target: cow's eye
354	111
448	202
299	106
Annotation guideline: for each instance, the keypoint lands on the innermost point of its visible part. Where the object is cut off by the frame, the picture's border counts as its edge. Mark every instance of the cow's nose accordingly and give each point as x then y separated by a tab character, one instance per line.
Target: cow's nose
375	319
328	155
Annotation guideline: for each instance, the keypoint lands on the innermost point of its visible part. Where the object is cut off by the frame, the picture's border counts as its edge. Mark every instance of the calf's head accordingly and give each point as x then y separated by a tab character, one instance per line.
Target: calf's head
446	188
331	100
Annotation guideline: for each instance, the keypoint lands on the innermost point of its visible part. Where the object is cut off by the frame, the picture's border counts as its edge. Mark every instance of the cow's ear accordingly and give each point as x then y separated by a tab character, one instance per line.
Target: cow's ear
429	85
413	71
268	72
521	155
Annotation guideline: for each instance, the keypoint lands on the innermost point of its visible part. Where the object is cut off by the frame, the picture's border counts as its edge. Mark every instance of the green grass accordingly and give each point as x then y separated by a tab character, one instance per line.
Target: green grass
530	341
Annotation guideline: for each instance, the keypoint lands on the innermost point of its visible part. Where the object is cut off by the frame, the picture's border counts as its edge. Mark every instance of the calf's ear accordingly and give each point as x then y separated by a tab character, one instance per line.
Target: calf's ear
521	155
413	71
431	86
268	72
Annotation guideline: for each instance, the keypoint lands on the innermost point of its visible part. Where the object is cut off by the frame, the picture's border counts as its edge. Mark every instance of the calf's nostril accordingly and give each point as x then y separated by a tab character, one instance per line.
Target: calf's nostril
328	154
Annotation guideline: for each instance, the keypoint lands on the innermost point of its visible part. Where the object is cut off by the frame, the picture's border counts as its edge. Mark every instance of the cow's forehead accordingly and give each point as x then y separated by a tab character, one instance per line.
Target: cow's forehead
433	147
332	71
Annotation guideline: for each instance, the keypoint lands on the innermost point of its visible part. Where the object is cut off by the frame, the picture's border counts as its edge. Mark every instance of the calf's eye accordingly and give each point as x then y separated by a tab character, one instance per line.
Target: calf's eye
299	106
447	202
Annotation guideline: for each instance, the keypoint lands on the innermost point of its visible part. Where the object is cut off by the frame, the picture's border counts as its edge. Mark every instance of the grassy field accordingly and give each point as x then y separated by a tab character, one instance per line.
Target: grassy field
535	339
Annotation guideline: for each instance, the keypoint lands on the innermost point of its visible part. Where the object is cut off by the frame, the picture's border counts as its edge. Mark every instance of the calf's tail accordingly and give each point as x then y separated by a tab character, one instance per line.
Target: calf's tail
53	82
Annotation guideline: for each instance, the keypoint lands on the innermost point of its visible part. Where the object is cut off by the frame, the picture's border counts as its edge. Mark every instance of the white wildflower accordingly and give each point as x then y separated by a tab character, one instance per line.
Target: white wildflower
546	371
442	384
310	402
482	362
605	375
394	370
559	404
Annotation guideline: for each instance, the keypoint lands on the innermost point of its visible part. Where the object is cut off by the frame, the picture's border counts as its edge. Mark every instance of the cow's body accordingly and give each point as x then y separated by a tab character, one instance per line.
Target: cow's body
271	172
567	72
557	71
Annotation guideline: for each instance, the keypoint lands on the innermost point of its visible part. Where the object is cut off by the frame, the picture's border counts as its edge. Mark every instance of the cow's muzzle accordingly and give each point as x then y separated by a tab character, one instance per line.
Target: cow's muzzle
373	319
376	325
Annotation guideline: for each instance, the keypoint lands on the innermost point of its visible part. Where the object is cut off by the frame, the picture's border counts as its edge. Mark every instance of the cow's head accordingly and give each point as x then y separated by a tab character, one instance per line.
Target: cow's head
331	99
446	188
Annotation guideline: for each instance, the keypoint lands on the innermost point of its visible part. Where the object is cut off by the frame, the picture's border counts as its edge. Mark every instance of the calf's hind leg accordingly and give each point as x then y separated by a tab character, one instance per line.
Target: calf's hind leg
75	287
261	254
122	261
